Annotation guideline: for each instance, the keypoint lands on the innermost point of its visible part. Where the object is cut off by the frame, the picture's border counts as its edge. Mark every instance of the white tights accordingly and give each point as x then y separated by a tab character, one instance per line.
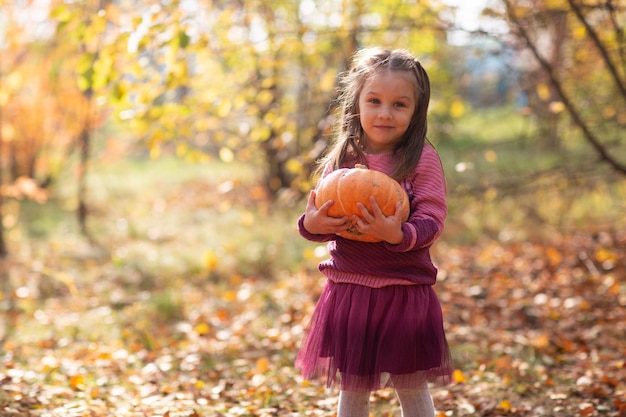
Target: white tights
414	403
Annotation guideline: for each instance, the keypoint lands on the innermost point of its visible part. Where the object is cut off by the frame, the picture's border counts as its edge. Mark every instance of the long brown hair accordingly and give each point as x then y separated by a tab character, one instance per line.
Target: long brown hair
349	134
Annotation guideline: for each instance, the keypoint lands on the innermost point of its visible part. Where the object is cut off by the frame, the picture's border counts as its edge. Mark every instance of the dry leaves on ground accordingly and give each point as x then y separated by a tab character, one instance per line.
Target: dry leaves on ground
535	329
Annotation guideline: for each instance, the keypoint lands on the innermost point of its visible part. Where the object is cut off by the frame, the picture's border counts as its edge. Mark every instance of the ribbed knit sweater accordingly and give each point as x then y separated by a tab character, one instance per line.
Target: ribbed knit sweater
407	263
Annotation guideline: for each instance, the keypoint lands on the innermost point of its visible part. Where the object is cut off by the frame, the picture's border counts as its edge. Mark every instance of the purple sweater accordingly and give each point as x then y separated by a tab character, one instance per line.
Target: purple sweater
407	263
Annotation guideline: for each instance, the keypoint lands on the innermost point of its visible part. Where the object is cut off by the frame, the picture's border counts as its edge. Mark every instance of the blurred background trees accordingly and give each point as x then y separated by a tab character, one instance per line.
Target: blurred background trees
253	82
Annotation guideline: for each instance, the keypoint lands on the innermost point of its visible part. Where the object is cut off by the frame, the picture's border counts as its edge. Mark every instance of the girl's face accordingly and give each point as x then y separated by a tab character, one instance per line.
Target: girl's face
386	104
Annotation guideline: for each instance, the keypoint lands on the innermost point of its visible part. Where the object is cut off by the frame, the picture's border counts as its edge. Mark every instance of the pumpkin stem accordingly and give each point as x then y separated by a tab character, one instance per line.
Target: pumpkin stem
360	166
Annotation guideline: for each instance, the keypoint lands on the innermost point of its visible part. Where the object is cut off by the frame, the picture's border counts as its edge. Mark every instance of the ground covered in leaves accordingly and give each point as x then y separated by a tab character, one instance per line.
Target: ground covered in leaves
138	327
536	330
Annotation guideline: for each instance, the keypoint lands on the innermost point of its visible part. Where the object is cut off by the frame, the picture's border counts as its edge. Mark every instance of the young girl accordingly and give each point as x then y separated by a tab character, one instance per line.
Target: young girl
378	321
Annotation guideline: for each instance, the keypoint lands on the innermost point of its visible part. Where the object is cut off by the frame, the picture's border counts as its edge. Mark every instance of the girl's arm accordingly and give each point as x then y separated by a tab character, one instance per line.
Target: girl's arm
428	205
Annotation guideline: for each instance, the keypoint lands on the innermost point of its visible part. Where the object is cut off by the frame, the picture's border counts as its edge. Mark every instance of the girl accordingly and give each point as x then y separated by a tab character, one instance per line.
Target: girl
378	321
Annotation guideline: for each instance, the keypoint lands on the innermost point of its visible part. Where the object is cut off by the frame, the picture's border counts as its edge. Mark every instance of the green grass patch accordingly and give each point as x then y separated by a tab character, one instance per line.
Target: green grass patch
168	217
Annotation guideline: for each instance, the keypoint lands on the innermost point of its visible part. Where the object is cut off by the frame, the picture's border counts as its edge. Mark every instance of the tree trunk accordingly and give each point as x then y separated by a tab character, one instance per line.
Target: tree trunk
3	246
5	278
85	150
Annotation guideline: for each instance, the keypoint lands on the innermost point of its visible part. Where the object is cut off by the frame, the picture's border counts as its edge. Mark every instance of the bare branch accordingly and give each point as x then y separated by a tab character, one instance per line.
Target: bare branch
621	86
573	112
619	30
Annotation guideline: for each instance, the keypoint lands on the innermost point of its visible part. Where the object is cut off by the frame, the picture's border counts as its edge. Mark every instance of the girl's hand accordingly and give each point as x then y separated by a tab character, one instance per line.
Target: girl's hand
375	223
318	222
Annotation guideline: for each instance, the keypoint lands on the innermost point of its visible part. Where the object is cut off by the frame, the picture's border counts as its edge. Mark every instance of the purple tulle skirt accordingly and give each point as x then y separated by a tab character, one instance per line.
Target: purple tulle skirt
371	338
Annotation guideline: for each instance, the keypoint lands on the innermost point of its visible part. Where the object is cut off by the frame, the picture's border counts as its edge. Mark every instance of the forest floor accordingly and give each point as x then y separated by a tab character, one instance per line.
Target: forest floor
535	330
536	327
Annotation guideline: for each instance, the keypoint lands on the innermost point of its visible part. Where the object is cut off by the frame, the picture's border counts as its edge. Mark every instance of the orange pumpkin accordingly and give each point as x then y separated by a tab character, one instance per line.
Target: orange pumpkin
349	186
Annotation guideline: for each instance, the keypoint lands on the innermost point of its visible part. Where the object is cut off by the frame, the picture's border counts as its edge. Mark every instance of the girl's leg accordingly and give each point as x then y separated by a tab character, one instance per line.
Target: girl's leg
354	404
416	402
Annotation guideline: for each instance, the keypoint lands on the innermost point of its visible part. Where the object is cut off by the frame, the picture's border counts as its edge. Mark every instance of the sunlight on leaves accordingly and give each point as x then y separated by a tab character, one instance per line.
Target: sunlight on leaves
224	108
542	341
247	218
504	405
609	111
210	260
61	13
457	108
557	107
294	166
543	91
262	366
603	255
554	256
202	328
77	382
459	377
226	154
155	151
491	156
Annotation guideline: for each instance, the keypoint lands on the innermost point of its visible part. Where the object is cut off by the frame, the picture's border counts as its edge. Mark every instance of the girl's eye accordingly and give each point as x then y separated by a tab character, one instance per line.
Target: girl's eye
400	105
374	100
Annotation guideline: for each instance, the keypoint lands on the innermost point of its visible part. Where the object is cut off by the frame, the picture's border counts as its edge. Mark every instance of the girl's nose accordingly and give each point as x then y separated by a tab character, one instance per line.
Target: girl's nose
384	114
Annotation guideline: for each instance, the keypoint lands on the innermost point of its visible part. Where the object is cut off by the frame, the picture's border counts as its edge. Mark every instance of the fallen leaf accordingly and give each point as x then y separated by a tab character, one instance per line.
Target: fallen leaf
504	405
459	377
262	365
77	382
